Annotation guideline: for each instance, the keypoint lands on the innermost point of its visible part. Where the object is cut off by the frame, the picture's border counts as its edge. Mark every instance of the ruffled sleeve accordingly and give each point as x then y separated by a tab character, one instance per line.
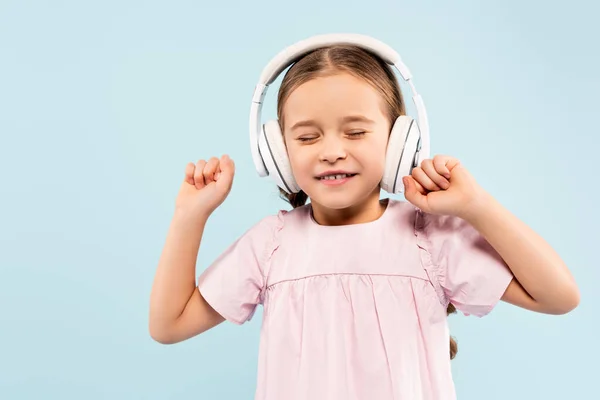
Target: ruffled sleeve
233	284
464	268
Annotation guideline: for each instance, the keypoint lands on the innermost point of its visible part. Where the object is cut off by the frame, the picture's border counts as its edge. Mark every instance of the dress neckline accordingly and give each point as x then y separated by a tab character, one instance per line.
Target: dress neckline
382	217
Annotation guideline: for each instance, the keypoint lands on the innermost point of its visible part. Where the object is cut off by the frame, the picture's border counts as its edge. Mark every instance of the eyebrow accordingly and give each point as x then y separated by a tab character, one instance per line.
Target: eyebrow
347	119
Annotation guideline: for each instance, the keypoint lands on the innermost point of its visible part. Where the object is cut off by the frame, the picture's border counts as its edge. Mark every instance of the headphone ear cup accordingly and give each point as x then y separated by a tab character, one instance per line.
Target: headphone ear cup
400	154
274	154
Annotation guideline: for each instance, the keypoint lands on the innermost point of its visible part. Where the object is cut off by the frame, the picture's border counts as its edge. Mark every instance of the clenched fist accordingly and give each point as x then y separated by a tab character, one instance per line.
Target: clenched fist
205	187
442	185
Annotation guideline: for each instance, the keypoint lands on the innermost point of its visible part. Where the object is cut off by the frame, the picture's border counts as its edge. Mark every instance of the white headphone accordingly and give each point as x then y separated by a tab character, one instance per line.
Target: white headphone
408	144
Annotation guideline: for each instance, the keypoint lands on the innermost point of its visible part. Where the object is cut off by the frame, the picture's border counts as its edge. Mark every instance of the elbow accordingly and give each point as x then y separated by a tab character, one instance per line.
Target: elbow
572	303
573	299
160	334
568	303
570	297
161	338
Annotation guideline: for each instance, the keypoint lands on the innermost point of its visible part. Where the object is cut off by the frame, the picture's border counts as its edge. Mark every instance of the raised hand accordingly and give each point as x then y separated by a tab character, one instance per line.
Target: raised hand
442	186
205	186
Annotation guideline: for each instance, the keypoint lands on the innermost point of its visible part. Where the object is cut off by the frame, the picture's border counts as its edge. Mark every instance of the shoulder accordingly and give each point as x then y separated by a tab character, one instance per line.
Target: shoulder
264	238
402	214
443	226
282	219
268	229
431	230
267	226
400	207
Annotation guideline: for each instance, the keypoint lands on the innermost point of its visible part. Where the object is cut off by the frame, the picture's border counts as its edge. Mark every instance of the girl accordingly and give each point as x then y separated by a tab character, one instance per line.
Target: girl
355	289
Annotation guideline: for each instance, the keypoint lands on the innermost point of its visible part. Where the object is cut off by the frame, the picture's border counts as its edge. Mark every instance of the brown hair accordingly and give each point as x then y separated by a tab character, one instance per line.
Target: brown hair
362	64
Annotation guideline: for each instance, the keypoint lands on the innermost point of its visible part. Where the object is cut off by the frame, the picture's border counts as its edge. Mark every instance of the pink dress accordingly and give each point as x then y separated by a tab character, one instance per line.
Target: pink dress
355	312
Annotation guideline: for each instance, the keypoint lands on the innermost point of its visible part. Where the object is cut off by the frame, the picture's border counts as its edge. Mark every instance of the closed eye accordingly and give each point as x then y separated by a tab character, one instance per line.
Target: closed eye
305	139
356	133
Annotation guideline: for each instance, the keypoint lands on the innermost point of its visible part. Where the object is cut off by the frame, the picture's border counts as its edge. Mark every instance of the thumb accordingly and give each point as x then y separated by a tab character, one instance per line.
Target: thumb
412	194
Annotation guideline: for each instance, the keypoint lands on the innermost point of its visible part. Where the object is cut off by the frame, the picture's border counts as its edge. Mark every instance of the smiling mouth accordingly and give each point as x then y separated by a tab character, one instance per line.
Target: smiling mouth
335	177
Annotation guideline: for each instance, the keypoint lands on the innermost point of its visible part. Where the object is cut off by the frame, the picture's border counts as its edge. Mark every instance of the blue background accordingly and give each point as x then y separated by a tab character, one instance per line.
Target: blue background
103	103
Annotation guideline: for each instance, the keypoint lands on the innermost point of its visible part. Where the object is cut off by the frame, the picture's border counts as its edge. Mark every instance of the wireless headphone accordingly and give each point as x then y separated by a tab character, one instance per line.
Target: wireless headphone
408	144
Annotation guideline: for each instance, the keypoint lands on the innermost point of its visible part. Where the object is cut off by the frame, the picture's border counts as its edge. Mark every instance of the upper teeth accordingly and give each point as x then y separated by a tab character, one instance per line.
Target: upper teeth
338	176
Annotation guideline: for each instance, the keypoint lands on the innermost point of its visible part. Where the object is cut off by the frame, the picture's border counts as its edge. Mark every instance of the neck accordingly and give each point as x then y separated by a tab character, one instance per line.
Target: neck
368	210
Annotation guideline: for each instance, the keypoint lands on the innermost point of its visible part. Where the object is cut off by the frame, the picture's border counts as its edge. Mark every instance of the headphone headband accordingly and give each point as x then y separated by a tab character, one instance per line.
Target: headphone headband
291	54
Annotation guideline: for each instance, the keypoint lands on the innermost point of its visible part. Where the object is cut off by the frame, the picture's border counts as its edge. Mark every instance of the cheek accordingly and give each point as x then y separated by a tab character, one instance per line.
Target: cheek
372	153
382	149
298	162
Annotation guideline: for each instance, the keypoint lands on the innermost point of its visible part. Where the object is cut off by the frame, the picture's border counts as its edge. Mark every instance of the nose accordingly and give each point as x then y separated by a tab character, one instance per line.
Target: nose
332	149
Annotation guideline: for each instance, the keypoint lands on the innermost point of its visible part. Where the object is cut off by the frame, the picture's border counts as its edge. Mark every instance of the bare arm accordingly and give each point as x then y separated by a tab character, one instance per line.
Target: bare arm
542	281
177	309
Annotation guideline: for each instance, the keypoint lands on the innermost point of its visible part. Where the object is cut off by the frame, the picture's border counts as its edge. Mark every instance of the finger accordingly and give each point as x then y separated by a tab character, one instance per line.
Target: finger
420	188
452	163
189	173
227	168
412	195
224	158
198	175
431	171
420	176
210	169
440	164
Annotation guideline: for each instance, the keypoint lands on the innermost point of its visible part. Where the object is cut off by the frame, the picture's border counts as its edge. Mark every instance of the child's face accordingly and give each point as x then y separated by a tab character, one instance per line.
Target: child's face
336	123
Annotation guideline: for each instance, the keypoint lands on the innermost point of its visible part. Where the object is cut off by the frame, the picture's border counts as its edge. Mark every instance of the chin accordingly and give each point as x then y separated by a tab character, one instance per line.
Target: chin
335	202
342	197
